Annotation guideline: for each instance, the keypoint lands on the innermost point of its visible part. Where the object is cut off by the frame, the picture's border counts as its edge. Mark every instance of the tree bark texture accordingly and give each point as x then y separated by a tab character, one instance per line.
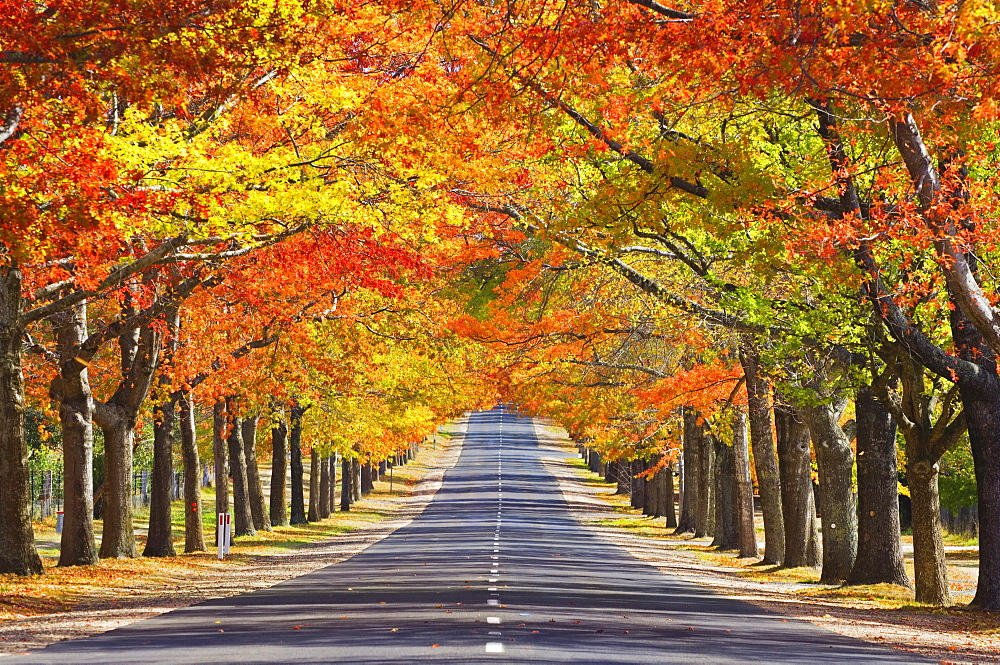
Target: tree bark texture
356	479
242	518
930	571
71	389
255	487
880	554
160	541
140	355
688	520
332	498
278	510
345	485
726	532
17	537
838	508
704	512
194	532
219	457
315	460
744	487
323	509
797	501
668	498
295	450
764	454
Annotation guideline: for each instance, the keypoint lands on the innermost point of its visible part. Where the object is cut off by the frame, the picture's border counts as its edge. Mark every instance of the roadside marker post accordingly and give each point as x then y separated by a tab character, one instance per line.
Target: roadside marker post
224	534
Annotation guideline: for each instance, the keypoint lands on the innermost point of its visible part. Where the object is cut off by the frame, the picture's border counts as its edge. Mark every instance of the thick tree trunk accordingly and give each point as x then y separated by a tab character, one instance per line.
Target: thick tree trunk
315	460
160	541
118	535
727	536
928	541
279	469
366	479
219	457
71	389
797	501
140	357
17	537
838	508
982	414
704	512
880	554
689	480
747	534
764	454
668	498
324	488
242	518
345	485
258	509
295	448
194	533
622	478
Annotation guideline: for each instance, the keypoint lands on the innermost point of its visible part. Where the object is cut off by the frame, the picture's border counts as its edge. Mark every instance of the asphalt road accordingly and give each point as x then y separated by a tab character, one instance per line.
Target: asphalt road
496	569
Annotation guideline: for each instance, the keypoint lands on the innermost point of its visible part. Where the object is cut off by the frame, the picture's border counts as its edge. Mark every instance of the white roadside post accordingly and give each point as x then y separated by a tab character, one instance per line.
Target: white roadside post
229	532
220	535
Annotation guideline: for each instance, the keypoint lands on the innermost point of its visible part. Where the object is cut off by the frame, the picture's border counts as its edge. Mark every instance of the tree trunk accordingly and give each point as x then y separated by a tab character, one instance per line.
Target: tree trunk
356	479
654	490
797	502
258	511
324	488
727	533
17	537
295	446
982	414
929	566
622	478
71	389
118	536
689	480
366	479
315	460
880	554
160	541
332	498
668	498
279	469
838	508
219	457
345	485
194	533
140	356
704	513
242	518
747	534
764	454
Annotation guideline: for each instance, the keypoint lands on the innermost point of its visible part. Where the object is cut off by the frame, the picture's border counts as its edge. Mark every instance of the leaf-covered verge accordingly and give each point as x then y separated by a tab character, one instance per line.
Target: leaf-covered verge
884	614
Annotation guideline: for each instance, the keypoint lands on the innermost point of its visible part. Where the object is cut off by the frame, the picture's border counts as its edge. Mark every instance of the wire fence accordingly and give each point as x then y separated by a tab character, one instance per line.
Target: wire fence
47	490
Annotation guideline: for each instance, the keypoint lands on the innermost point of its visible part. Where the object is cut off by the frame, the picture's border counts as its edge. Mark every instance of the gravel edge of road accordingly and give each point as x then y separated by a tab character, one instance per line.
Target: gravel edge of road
899	629
22	635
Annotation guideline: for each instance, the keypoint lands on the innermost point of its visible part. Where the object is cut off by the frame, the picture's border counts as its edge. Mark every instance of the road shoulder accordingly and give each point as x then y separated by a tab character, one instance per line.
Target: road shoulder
946	637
